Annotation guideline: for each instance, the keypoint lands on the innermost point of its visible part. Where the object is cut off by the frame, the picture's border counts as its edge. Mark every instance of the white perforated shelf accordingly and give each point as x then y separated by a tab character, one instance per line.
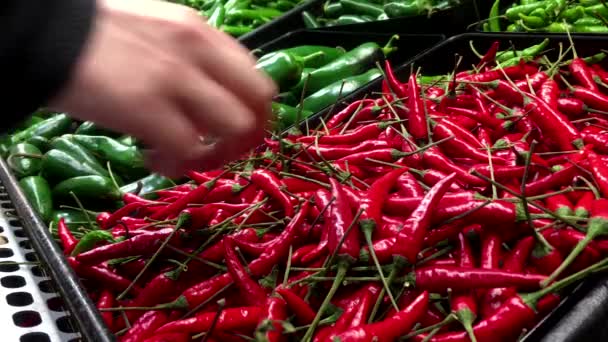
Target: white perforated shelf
31	310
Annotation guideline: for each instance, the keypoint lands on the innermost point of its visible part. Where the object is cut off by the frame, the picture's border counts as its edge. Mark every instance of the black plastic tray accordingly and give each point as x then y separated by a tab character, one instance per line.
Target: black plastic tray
82	309
450	22
290	21
583	314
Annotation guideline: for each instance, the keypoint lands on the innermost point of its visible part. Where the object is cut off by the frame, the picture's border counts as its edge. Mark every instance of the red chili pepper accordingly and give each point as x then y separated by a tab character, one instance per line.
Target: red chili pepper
137	245
251	291
559	204
194	196
408	186
106	301
439	279
417	122
360	134
582	74
340	218
373	201
515	262
563	177
279	251
333	152
553	124
445	232
204	290
463	304
267	181
172	337
229	319
582	207
303	312
566	239
597	137
275	313
487	121
103	276
390	328
405	205
345	113
513	72
500	172
572	107
458	147
409	241
599	169
295	185
145	326
68	241
489	57
433	158
491	251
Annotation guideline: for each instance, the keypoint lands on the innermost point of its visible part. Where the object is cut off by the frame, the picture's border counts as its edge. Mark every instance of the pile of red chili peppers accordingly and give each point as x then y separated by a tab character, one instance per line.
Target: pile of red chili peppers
458	209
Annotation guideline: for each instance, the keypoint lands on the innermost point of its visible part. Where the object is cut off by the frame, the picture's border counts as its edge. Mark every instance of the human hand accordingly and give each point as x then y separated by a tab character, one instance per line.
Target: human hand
155	70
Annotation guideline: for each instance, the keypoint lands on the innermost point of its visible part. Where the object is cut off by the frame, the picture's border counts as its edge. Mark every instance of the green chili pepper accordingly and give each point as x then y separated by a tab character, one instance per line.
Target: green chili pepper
90	241
514	12
48	128
556	27
59	165
587	3
332	10
218	13
87	188
361	7
287	115
532	21
400	9
128	140
248	14
5	145
531	51
24	160
590	29
38	192
31	121
588	21
330	94
91	128
148	185
515	28
67	145
599	9
431	79
236	31
351	19
494	20
284	5
353	62
593	59
309	20
41	142
288	97
126	160
329	54
73	218
572	14
284	68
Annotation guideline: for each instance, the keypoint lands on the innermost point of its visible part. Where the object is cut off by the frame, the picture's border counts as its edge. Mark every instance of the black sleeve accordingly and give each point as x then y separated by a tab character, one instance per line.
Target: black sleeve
40	41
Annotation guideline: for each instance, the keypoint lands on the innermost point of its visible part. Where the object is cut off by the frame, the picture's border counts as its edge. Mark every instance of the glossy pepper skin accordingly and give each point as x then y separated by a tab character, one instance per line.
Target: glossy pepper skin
38	192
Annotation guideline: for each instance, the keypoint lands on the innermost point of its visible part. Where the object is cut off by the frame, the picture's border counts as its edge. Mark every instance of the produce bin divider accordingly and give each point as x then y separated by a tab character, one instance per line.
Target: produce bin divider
289	21
83	310
587	304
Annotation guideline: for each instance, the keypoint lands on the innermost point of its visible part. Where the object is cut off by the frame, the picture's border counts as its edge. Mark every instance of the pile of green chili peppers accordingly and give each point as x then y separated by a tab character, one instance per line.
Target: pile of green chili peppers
346	12
313	77
583	16
239	17
64	166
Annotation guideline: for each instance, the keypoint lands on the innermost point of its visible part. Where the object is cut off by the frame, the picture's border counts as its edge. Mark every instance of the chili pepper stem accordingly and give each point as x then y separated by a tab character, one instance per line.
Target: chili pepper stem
448	320
389	48
340	275
178	304
398	264
367	228
466	318
596	227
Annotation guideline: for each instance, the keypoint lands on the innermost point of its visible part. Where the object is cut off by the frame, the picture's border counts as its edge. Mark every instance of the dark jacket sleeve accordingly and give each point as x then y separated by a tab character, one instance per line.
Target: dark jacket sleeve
40	41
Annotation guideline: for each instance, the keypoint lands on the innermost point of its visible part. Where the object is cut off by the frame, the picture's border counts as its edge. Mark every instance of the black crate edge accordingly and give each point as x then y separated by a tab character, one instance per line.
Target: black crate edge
82	309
